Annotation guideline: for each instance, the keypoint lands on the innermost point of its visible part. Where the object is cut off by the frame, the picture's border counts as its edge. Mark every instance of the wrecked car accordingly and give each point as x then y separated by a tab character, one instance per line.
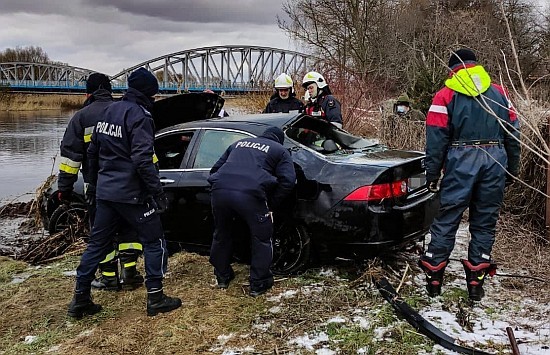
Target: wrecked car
354	197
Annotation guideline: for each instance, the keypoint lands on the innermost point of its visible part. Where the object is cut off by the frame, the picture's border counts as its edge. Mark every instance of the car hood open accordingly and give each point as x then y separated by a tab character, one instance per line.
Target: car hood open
186	108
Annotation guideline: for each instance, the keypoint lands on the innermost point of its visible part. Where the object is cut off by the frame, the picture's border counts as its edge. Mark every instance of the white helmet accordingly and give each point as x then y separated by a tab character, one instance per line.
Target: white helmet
283	81
314	77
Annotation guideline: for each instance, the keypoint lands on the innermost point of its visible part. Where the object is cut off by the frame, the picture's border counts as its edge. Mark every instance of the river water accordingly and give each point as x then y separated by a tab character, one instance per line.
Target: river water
29	146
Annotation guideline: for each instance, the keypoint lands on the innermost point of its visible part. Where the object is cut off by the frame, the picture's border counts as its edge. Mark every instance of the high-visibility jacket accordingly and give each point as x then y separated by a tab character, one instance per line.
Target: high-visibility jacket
77	138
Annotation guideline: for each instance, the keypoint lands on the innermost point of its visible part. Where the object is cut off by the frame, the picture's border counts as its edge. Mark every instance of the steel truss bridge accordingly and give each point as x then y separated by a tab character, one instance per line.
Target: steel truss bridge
231	69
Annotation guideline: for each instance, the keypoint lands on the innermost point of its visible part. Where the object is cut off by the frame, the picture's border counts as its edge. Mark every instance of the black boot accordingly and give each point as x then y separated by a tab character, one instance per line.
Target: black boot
81	305
223	282
130	278
158	302
434	276
475	276
108	280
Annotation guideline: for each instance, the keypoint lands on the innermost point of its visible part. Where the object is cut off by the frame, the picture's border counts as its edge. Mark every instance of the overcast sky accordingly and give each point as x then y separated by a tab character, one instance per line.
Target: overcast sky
109	35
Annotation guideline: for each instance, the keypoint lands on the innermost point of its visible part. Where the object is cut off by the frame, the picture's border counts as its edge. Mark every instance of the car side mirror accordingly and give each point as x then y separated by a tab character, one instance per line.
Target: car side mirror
330	146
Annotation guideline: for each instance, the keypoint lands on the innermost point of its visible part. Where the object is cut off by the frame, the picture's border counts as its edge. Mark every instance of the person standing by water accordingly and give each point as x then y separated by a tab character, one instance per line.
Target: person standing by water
128	188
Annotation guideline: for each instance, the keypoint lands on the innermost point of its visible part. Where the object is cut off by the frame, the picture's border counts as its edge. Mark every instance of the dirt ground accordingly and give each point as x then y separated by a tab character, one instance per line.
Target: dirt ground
330	309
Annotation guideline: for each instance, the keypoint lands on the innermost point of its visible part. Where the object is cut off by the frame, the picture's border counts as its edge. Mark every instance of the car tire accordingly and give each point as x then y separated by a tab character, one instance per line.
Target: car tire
291	249
66	216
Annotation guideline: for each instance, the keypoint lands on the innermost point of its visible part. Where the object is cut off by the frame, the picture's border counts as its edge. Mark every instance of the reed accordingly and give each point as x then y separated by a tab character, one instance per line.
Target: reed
32	102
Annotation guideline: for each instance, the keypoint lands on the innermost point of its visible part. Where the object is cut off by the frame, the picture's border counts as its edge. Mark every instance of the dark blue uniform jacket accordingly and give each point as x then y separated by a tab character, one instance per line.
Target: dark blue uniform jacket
276	104
260	166
77	139
121	152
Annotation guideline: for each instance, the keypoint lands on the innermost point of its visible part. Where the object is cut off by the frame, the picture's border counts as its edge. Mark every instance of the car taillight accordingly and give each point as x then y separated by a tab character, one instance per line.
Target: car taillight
378	192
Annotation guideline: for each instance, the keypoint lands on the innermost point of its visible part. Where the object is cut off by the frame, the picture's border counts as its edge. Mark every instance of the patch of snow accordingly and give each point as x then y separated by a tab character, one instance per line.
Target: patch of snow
362	322
337	319
20	278
248	349
263	326
54	349
275	309
223	339
69	273
29	339
86	333
324	351
308	343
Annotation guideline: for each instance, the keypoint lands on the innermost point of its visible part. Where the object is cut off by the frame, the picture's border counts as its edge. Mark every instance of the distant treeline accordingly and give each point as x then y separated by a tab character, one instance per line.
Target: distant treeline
29	54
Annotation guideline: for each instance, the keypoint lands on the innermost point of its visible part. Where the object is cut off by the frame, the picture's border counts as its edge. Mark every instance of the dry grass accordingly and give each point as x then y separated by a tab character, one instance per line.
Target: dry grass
33	102
249	103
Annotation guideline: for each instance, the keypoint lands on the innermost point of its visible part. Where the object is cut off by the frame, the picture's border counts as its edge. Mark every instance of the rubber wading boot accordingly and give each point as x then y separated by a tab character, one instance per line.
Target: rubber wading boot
81	305
130	278
475	276
158	302
434	276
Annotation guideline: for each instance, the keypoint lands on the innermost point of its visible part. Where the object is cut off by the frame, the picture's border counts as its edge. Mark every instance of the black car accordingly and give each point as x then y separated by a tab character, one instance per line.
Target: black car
354	197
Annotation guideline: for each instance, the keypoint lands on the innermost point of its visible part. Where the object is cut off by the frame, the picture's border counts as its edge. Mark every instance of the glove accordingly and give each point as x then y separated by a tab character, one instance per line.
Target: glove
65	196
433	186
90	195
160	202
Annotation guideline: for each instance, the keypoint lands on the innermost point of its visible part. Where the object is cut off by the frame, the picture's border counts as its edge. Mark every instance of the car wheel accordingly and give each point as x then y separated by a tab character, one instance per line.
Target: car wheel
291	249
68	216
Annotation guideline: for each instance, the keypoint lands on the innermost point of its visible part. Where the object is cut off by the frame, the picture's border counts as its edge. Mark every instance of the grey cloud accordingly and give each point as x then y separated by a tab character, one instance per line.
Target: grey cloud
200	11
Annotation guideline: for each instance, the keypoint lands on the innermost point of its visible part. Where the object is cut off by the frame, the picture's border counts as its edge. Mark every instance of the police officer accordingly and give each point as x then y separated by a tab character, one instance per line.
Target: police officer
284	99
128	189
321	103
73	148
249	180
472	133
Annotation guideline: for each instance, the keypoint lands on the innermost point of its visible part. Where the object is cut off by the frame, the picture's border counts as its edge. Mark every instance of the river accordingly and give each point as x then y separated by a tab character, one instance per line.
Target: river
29	146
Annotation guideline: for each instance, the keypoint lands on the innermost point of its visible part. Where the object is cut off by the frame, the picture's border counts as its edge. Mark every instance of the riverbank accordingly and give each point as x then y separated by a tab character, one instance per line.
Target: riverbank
34	102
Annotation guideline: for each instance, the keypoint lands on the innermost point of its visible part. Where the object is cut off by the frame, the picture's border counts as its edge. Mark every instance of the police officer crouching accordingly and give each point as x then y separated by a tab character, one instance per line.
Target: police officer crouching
249	180
128	189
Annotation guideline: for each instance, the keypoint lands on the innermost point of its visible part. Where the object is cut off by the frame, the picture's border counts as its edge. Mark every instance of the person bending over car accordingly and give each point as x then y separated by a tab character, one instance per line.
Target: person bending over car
128	188
250	180
73	149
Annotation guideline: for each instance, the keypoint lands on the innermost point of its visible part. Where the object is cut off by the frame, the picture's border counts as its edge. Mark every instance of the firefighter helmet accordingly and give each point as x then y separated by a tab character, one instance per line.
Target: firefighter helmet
314	77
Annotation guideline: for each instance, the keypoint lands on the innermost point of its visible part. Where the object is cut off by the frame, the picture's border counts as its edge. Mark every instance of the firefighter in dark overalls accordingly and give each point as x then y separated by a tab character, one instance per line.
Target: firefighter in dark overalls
473	138
321	103
284	98
128	189
73	148
249	180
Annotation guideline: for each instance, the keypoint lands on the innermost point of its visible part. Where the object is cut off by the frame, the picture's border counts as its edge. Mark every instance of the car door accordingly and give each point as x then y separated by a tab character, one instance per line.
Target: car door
173	150
194	187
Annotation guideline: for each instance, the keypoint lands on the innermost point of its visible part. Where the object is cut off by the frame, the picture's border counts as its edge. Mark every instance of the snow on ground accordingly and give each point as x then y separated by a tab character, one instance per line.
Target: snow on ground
501	308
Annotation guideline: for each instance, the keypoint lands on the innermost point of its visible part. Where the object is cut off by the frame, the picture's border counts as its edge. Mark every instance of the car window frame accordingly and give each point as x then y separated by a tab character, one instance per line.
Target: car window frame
185	160
197	145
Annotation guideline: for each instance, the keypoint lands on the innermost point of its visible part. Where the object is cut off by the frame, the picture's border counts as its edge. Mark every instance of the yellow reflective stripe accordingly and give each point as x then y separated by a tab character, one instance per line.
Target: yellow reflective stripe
155	159
126	246
481	277
69	166
109	257
130	264
88	134
107	273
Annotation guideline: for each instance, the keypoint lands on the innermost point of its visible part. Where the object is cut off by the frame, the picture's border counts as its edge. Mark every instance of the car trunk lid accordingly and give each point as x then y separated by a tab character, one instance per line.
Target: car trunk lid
186	108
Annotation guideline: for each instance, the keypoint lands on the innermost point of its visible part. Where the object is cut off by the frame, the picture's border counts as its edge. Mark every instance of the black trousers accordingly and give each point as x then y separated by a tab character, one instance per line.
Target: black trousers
144	221
226	205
